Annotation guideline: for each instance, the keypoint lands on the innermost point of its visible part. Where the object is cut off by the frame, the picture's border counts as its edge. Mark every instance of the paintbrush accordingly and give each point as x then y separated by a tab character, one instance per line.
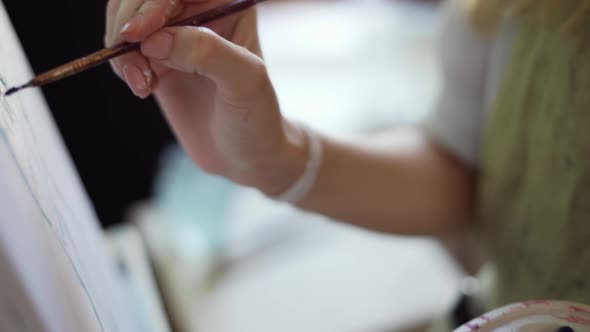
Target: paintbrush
106	54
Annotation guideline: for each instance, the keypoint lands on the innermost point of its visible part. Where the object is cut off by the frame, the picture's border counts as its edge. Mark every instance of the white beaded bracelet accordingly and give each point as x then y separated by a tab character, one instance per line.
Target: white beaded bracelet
303	185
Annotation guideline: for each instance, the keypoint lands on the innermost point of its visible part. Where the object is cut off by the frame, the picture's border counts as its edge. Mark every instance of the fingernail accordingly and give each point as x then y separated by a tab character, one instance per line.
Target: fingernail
136	79
158	46
148	77
132	24
126	28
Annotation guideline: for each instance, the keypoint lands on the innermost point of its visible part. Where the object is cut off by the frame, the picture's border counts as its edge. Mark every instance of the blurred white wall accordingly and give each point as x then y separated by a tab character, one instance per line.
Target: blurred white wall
350	65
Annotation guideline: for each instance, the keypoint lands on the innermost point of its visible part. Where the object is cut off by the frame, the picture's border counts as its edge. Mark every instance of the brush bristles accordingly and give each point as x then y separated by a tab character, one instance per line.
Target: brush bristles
17	89
11	91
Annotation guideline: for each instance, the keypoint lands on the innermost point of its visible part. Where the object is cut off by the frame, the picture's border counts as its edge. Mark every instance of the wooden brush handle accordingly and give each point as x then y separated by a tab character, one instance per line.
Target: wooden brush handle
82	64
106	54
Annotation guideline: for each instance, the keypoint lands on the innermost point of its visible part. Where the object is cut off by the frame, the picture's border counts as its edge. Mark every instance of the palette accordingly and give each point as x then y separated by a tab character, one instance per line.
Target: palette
533	316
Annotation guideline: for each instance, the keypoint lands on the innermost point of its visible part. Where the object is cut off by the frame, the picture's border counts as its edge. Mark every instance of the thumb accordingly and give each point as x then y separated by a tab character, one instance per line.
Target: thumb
197	50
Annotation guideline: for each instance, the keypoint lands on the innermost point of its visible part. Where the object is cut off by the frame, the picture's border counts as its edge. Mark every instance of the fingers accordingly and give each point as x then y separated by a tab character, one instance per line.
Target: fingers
136	71
197	50
112	8
119	17
133	20
149	17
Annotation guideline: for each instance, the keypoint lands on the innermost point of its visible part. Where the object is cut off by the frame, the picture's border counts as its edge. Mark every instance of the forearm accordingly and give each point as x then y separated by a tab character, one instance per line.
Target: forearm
406	186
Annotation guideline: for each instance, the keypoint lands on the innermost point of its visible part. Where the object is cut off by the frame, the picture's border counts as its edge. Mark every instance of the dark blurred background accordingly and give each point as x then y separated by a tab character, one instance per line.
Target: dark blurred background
114	138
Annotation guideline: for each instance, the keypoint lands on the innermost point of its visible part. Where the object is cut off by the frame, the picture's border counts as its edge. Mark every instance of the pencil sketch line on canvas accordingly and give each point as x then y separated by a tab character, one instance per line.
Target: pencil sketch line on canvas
8	130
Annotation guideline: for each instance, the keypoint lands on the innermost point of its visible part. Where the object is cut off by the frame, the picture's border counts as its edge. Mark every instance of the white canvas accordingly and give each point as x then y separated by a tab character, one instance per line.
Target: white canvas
55	273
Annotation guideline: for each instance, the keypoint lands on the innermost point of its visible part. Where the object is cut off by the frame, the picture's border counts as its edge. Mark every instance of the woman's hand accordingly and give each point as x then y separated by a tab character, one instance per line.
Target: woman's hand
213	88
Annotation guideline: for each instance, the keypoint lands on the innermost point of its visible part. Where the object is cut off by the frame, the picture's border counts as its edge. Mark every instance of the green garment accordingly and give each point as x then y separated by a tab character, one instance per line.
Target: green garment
534	181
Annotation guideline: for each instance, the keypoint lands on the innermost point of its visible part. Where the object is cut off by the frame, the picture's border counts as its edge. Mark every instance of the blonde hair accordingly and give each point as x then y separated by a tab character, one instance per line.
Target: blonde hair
486	13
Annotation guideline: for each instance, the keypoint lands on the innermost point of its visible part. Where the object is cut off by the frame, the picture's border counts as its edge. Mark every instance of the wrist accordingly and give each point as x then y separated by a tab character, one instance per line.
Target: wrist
287	165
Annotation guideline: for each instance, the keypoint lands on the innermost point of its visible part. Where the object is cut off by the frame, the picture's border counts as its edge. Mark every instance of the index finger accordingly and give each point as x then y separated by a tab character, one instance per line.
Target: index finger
151	16
111	13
